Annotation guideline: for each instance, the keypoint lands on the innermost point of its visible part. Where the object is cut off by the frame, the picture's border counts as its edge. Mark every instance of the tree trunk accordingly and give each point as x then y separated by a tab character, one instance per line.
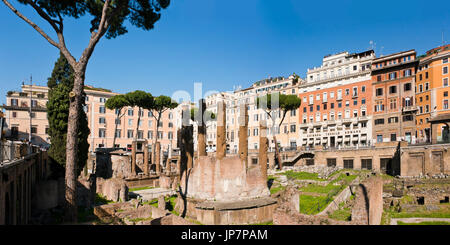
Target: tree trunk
72	146
137	125
156	138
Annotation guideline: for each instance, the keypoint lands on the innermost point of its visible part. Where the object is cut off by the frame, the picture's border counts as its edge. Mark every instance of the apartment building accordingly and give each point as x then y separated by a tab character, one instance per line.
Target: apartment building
337	101
102	121
286	134
393	82
432	91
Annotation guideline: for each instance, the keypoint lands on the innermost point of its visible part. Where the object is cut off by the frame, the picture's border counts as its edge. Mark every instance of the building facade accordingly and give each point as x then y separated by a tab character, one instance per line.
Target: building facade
393	83
101	121
336	104
432	91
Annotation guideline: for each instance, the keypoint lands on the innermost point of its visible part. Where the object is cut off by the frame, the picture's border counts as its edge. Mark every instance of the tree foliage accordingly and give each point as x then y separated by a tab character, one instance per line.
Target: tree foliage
275	101
60	84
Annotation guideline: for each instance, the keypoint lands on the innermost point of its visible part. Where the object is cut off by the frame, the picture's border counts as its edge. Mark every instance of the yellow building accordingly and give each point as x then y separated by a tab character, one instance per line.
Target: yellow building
432	92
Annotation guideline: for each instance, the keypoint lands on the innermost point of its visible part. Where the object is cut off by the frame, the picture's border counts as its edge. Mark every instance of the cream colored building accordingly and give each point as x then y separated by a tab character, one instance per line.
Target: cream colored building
101	120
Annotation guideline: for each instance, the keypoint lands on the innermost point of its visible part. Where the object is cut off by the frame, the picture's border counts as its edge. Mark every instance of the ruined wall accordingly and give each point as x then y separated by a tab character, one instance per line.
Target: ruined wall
225	180
368	206
113	189
425	160
18	179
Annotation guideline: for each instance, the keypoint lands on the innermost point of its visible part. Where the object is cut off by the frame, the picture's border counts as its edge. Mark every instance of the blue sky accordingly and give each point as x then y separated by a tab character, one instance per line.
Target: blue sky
223	43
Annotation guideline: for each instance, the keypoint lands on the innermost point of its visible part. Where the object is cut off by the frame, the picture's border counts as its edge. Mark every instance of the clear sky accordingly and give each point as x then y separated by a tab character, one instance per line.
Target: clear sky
223	43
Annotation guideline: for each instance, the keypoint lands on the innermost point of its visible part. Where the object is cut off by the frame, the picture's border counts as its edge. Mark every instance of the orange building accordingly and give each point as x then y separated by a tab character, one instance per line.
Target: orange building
432	91
336	102
393	79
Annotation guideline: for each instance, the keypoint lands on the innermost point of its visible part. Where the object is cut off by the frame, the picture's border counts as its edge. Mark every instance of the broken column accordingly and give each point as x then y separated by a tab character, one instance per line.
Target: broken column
243	135
145	149
157	156
221	145
263	148
168	161
187	143
133	158
201	134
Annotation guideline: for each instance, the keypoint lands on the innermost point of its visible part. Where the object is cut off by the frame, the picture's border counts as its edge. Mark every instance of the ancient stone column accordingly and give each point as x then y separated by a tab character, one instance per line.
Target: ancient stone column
263	148
157	156
221	145
145	149
243	135
133	158
187	142
201	134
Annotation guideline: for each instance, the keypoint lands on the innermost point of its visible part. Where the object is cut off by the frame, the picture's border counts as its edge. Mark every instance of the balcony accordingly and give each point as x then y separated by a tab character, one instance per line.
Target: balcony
407	109
339	97
324	100
355	95
363	119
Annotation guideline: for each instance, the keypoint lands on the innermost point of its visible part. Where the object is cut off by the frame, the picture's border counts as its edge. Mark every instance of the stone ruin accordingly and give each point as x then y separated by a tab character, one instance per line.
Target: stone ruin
224	189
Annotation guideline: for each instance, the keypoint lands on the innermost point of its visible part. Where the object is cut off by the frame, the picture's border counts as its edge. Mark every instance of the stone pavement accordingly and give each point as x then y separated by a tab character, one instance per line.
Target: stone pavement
417	220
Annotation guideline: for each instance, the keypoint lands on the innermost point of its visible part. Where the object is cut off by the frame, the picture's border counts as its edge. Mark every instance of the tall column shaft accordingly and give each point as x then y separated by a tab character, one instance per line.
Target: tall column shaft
221	145
243	135
263	148
201	134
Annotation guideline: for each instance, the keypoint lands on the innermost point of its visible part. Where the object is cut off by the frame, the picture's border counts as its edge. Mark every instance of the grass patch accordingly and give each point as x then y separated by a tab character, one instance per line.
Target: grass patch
344	214
101	200
321	189
302	175
140	188
313	205
264	223
139	219
424	223
276	189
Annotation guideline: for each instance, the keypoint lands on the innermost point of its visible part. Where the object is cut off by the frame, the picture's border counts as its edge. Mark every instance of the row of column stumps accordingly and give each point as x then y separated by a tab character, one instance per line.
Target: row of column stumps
157	159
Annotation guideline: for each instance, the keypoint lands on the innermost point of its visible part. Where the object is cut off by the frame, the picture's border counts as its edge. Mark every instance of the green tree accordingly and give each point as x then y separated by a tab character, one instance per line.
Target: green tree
108	18
273	104
117	103
141	100
161	104
60	84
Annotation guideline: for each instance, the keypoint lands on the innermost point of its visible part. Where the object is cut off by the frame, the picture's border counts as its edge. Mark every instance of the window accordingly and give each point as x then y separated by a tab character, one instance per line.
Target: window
101	120
130	122
33	115
363	101
34	130
407	118
332	105
101	133
170	125
130	134
140	134
324	106
14	102
311	108
445	104
379	121
426	75
445	70
348	163
293	113
363	89
379	92
379	138
445	60
118	133
379	106
420	77
445	93
445	82
347	91
355	102
130	112
393	104
393	137
393	120
407	86
420	88
393	75
102	100
393	89
426	86
150	134
102	109
170	135
331	162
14	114
347	103
304	109
318	107
366	164
160	135
379	78
407	73
293	128
339	104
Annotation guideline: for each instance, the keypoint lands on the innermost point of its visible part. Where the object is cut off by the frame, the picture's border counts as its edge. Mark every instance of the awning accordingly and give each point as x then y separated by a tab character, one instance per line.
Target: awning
339	140
363	138
305	139
355	139
347	139
324	140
